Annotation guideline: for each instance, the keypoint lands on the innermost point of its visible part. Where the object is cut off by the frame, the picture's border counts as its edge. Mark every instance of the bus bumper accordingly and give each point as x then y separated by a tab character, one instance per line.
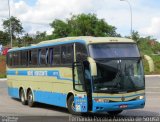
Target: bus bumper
114	106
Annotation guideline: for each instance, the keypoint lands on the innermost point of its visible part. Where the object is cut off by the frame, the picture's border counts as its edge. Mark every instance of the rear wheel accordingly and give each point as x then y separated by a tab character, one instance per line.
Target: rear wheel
22	97
31	103
114	113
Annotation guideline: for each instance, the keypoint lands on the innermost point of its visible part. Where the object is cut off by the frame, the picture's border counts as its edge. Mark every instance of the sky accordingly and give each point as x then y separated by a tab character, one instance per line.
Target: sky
36	15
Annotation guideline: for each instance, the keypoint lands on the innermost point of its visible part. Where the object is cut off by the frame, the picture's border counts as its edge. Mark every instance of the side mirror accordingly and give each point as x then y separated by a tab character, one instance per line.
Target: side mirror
150	63
78	77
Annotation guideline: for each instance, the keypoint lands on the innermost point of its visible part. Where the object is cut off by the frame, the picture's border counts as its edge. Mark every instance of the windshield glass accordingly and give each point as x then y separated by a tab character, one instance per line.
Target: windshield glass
119	76
98	51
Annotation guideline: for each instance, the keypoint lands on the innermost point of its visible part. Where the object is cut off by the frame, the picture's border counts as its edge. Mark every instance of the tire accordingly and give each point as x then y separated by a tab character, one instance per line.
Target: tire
70	104
71	107
22	97
114	113
31	103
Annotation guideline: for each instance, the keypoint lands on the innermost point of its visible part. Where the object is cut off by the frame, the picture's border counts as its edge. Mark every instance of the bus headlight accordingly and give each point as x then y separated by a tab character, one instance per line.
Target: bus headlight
101	100
140	97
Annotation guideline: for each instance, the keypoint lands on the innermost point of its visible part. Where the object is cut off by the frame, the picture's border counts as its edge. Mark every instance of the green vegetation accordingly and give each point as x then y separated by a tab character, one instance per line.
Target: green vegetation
83	25
156	60
148	46
77	25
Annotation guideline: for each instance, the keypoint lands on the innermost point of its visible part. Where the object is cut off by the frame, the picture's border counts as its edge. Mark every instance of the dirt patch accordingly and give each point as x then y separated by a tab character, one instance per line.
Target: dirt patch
2	66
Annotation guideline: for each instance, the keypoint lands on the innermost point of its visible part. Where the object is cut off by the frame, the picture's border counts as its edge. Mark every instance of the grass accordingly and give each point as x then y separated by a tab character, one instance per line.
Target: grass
156	60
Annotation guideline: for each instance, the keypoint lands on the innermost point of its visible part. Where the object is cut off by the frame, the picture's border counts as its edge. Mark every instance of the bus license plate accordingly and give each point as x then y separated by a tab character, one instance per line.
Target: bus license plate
123	106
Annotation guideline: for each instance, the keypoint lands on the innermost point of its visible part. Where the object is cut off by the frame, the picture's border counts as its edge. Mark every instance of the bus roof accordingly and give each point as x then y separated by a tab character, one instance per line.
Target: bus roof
82	39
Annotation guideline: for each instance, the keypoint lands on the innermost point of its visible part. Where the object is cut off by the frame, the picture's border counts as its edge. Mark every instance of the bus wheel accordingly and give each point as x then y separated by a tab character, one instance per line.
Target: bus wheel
31	103
71	105
114	113
22	97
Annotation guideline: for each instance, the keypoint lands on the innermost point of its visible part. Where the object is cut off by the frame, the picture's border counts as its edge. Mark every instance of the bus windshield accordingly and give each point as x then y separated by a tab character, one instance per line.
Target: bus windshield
119	75
103	50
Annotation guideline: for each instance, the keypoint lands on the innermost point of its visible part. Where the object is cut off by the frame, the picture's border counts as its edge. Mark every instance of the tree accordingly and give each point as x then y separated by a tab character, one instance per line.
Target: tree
135	36
27	39
40	36
16	26
83	25
61	29
4	38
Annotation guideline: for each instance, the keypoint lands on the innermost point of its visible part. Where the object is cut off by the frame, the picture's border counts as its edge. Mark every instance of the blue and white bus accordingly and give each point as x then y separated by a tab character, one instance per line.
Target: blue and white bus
83	74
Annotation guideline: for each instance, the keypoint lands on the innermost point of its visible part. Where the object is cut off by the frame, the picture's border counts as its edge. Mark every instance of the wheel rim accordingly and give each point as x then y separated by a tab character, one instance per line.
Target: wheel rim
73	106
30	98
22	97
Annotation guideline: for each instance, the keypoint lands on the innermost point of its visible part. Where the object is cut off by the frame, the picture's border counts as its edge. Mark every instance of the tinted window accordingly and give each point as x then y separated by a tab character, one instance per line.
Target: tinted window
24	58
10	59
51	56
56	55
16	58
33	57
81	52
67	54
43	56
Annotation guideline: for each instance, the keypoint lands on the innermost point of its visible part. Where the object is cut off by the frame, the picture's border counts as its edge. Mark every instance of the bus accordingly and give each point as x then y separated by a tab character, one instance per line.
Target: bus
82	74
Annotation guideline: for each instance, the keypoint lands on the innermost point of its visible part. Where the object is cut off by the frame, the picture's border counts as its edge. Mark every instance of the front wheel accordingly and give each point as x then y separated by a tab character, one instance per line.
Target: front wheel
114	113
71	106
31	103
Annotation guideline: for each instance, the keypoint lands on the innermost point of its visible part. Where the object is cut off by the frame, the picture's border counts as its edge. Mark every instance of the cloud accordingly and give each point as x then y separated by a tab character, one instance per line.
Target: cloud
45	11
39	16
153	29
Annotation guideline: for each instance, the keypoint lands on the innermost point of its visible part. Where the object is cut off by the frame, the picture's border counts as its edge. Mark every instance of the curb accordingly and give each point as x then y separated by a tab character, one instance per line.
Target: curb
3	79
152	75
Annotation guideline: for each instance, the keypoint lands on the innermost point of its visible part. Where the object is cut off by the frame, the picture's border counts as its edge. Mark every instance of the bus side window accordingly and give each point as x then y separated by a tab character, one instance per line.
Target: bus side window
16	58
67	54
10	59
29	57
46	58
50	56
34	57
24	58
81	52
39	56
42	58
56	55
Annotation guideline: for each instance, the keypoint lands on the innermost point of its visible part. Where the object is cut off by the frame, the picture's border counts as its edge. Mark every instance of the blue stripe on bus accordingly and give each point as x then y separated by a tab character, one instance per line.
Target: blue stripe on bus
53	73
49	44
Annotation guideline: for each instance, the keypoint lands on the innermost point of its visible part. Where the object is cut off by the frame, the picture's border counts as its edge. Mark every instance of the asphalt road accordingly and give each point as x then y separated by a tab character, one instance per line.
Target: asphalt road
13	108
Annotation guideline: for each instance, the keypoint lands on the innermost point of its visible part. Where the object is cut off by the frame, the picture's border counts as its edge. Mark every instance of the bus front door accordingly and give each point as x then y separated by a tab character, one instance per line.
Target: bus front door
80	97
